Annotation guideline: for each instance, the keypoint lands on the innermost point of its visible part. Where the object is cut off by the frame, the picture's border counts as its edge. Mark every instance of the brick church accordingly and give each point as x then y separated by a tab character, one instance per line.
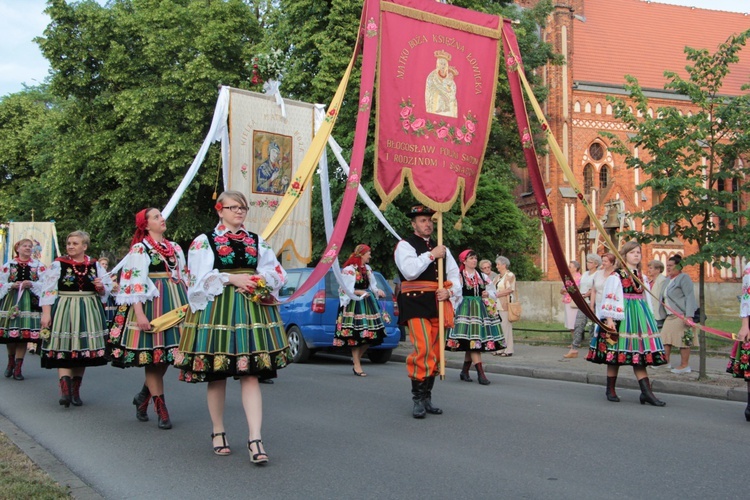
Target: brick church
602	41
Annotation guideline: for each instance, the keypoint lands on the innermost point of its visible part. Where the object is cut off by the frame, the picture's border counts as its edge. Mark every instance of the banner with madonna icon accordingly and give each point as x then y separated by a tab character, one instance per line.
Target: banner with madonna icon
265	151
437	78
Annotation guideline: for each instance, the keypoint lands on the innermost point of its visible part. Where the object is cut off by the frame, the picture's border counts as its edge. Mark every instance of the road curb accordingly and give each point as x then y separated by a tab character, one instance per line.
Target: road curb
659	386
46	461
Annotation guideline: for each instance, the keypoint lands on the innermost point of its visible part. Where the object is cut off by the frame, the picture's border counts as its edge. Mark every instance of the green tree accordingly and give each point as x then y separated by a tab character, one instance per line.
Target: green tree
696	164
135	83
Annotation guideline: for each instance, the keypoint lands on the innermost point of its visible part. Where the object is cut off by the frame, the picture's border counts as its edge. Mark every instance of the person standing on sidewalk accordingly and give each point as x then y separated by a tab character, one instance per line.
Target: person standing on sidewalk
656	282
416	259
72	294
586	286
505	288
679	295
635	340
153	282
20	313
475	329
739	362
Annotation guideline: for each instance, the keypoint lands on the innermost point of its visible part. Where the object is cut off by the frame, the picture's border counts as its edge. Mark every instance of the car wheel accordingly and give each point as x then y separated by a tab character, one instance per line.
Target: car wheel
379	356
297	345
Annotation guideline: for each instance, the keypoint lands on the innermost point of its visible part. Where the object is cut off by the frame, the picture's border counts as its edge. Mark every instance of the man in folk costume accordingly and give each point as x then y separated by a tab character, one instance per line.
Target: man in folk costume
416	258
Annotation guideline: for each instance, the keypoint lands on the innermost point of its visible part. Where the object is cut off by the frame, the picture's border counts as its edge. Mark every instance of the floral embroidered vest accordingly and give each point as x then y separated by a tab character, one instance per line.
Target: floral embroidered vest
629	285
232	253
78	278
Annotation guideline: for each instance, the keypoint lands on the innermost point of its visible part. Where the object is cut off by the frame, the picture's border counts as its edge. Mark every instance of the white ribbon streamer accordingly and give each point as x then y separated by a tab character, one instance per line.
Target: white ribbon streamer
272	87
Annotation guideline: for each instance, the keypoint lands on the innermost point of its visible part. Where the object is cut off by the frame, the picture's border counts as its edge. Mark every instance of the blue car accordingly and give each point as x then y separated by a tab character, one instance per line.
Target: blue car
310	320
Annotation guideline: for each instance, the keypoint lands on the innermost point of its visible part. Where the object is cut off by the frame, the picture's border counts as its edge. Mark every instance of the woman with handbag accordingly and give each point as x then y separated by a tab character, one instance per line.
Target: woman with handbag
360	323
20	313
679	295
505	287
153	281
632	337
233	327
477	325
72	294
739	362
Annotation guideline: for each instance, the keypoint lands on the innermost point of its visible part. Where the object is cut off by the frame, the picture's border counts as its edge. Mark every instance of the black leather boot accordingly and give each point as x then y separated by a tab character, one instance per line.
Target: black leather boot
647	396
611	394
11	366
418	388
17	371
141	401
75	391
65	391
481	377
432	410
465	372
162	413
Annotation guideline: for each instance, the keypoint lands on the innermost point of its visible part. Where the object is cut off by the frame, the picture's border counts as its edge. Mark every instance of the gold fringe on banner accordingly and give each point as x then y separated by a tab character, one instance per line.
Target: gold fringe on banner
443	21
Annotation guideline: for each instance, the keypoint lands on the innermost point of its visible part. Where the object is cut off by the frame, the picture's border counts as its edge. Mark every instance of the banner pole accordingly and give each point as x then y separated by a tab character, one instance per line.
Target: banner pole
441	304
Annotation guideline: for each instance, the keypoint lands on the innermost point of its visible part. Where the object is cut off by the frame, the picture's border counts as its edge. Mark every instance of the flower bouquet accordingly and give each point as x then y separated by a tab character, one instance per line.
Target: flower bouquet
14	312
45	334
687	336
262	292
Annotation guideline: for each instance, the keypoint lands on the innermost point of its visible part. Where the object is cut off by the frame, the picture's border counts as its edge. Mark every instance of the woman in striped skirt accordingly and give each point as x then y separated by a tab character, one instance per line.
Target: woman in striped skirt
360	323
233	327
153	281
19	310
73	291
476	328
635	339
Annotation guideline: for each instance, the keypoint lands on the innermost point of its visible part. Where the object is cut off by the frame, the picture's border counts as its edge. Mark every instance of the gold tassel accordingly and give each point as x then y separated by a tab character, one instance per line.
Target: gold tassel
459	224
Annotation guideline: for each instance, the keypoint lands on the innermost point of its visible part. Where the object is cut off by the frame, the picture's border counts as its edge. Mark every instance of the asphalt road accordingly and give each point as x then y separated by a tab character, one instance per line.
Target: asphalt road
330	434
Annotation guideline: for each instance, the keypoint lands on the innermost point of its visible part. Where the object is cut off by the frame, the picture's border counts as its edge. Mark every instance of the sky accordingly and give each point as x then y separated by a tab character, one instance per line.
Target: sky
21	21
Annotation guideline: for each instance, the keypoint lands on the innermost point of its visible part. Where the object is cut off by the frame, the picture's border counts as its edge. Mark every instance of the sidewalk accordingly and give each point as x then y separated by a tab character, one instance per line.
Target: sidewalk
546	362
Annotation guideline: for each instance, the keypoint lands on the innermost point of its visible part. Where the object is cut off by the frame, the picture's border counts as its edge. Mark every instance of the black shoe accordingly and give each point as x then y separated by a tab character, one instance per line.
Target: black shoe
265	381
481	377
141	401
65	391
647	396
611	394
259	458
418	388
465	372
427	399
162	413
75	391
747	414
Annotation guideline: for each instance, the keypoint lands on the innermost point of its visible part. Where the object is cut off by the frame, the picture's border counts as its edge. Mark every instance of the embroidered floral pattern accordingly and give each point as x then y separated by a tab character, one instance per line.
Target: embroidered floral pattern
371	29
243	170
545	213
446	132
330	254
526	139
353	181
331	115
512	63
226	251
364	103
296	188
265	202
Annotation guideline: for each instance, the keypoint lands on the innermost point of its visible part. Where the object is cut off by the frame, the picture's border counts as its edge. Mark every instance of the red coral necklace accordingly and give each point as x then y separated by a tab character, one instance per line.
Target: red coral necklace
163	248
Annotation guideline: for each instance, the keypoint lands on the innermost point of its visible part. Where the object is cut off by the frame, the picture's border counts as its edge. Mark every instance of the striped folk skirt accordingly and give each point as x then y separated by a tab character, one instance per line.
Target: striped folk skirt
129	346
638	342
19	317
78	336
475	329
232	337
360	323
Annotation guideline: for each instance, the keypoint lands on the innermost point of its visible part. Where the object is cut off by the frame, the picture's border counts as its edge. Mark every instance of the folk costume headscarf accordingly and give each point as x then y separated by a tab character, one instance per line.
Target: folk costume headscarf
141	225
355	259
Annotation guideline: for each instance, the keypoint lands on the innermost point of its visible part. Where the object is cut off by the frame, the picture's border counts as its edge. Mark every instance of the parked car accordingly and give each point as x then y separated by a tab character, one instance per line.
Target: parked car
310	320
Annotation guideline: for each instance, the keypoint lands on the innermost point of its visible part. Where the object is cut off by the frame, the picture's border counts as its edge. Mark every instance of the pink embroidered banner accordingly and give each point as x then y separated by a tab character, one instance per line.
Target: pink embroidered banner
436	93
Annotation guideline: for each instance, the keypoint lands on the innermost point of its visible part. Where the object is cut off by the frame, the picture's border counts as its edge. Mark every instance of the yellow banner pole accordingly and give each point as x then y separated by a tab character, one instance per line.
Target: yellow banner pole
441	304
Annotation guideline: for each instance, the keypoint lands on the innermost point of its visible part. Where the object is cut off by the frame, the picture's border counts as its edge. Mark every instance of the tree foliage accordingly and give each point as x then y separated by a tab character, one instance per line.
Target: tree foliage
129	101
697	163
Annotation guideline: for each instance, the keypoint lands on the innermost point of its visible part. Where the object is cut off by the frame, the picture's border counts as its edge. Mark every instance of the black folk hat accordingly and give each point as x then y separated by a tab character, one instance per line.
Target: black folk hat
419	210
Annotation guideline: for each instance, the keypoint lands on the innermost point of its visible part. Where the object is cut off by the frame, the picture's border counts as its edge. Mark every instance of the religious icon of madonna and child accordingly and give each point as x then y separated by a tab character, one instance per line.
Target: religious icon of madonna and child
272	163
440	87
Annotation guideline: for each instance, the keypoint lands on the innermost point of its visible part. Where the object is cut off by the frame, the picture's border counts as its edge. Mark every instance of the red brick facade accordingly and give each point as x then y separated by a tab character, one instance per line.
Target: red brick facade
601	42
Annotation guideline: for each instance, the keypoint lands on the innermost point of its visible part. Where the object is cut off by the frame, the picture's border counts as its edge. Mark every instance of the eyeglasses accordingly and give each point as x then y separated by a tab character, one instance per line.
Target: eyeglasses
237	209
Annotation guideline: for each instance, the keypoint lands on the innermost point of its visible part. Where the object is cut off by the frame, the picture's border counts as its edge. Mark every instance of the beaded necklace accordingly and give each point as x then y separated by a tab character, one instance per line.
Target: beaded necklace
164	247
80	275
473	281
